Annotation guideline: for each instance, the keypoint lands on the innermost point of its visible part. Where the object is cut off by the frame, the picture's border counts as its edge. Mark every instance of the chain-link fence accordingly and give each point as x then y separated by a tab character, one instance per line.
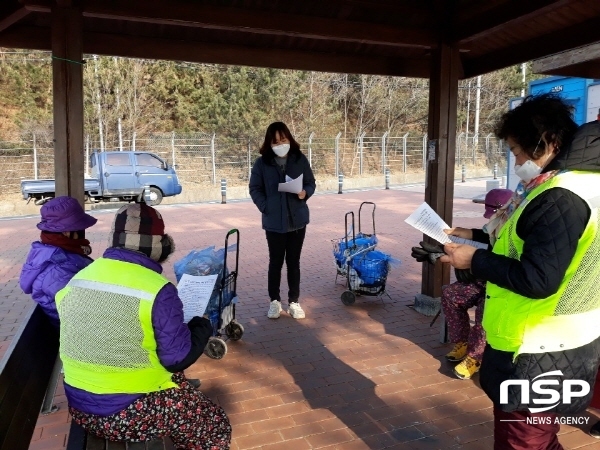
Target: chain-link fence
203	159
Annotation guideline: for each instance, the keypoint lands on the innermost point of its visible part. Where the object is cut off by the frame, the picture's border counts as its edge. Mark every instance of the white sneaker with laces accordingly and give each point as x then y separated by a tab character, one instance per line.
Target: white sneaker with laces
274	309
296	311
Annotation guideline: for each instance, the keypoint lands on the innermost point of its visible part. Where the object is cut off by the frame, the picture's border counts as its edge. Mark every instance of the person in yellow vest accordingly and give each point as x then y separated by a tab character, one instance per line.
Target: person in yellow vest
124	345
542	307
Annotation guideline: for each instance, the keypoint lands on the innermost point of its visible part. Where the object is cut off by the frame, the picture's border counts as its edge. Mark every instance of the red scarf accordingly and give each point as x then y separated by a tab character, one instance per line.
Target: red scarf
79	246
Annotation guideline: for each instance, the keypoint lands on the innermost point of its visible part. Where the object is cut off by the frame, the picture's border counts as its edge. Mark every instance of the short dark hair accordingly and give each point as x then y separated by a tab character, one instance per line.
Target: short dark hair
543	115
272	129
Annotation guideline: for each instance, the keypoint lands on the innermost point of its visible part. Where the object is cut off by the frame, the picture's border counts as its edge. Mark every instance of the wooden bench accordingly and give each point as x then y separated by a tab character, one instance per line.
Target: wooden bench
80	440
25	373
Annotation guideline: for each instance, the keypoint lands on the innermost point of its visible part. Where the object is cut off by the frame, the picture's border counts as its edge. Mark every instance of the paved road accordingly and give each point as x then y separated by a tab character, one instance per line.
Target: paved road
362	377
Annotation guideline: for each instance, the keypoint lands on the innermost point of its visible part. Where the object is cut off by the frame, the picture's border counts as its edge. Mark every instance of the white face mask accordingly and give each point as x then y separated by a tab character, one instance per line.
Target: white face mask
281	150
527	171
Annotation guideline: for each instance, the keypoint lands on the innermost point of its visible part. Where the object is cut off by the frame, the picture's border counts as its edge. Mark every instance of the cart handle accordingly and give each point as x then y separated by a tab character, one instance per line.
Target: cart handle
233	274
372	214
237	255
346	228
365	250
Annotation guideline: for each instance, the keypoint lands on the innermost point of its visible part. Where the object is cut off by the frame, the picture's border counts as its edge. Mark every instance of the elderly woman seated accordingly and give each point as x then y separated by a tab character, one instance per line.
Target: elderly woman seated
124	344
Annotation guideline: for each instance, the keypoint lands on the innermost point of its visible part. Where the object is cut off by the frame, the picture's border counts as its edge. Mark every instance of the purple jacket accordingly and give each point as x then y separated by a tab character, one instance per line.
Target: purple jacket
178	344
47	270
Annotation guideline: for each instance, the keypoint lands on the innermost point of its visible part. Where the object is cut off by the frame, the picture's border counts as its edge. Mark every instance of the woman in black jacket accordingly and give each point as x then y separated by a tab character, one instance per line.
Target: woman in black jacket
284	215
543	303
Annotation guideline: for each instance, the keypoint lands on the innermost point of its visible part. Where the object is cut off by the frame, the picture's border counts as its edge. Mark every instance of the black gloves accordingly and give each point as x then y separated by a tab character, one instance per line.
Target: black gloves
464	276
432	252
198	321
427	252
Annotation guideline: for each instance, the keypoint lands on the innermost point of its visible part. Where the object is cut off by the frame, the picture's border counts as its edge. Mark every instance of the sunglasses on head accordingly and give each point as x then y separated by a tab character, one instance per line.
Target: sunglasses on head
493	207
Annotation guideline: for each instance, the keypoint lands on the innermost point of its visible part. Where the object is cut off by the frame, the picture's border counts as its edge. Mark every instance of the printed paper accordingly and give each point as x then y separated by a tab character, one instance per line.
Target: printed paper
195	293
426	220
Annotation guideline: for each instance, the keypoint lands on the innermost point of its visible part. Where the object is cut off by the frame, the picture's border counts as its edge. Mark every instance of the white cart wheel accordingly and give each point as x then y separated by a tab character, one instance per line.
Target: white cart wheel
234	330
216	348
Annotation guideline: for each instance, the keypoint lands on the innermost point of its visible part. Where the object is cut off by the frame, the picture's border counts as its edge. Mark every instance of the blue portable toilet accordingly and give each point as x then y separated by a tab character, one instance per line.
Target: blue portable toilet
583	94
574	91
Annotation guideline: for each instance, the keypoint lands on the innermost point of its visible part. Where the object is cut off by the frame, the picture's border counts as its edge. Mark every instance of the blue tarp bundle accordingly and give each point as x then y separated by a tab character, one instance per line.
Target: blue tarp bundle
343	247
371	267
206	262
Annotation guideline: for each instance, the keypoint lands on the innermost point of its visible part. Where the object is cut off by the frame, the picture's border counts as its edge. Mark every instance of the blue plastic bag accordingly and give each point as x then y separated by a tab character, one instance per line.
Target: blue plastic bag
204	262
372	267
343	248
200	263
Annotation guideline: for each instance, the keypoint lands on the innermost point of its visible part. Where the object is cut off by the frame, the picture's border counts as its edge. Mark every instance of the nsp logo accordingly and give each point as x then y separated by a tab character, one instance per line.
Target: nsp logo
538	386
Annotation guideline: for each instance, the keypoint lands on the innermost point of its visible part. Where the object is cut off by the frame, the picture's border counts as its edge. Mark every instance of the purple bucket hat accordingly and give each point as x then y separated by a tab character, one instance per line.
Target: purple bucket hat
64	214
496	199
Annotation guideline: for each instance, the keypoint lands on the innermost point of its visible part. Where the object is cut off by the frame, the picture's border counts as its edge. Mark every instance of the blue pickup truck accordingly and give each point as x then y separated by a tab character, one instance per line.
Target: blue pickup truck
117	177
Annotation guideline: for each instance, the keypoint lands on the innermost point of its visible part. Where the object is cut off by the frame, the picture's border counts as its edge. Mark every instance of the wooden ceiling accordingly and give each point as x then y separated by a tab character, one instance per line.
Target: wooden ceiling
385	37
581	62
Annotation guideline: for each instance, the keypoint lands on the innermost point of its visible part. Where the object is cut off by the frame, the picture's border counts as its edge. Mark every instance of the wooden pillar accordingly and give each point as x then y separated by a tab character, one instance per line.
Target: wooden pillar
67	77
441	147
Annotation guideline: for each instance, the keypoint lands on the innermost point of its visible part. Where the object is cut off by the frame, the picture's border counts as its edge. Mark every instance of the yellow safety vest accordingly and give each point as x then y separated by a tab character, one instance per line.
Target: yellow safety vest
570	317
107	342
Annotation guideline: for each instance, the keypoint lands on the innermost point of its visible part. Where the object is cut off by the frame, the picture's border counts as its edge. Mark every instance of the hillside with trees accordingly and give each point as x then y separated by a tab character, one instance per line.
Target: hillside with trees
146	97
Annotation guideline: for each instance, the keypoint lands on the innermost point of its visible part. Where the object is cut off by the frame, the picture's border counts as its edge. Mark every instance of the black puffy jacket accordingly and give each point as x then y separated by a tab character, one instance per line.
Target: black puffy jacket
281	211
550	226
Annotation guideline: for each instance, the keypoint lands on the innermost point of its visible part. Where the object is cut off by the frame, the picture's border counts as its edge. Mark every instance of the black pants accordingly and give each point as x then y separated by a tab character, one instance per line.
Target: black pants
285	246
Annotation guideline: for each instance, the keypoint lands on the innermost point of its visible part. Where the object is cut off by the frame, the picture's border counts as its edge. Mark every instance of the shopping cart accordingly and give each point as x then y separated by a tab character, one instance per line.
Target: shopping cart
357	260
343	246
222	312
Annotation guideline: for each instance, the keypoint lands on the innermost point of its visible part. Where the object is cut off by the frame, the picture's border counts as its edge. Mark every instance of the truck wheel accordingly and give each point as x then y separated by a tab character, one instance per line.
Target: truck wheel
155	197
41	201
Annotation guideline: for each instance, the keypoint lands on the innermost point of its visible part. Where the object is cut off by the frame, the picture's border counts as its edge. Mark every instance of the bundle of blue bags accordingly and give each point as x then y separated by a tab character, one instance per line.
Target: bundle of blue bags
372	267
367	269
204	262
344	247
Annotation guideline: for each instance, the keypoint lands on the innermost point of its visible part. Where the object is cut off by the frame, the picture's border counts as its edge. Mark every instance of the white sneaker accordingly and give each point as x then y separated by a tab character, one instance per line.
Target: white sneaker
274	309
296	311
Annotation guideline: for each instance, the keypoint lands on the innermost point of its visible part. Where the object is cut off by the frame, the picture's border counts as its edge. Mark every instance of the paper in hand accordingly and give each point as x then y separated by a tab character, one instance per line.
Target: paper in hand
195	293
426	220
293	186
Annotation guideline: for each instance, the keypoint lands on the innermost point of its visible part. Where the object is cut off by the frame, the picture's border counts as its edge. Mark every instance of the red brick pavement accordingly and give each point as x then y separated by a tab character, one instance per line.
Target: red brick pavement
368	376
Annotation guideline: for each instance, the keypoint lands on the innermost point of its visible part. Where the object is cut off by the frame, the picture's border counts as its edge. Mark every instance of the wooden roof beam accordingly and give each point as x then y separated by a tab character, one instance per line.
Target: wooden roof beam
590	69
41	6
243	20
32	38
10	16
140	47
480	20
202	52
552	63
574	36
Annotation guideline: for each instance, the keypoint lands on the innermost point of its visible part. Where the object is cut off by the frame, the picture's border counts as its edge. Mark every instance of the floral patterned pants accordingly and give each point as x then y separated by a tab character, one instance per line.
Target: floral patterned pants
457	298
187	416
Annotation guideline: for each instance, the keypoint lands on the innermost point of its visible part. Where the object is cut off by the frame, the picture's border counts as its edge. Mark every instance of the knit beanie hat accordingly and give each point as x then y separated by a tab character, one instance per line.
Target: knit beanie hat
141	228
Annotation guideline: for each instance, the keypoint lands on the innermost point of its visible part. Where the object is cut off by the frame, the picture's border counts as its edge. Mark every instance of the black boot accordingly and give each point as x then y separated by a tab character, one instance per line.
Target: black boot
595	430
194	382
